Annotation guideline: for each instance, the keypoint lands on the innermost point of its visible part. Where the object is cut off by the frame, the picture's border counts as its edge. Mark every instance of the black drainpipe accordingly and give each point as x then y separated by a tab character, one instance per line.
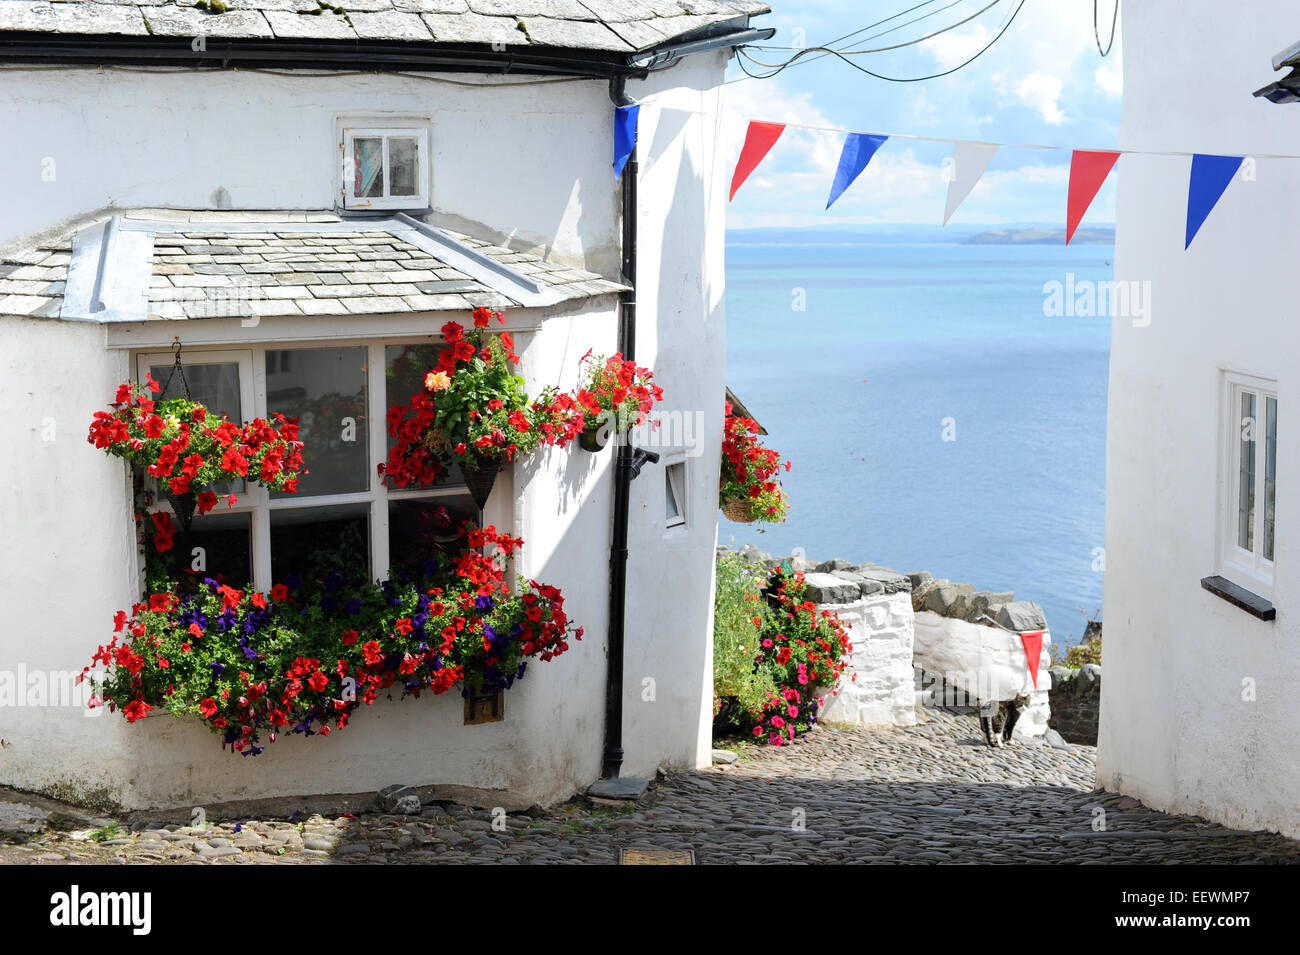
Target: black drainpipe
627	465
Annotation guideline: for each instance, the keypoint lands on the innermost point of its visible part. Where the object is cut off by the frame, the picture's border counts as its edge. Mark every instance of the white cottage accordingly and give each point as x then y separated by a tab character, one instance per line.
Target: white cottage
1201	651
302	196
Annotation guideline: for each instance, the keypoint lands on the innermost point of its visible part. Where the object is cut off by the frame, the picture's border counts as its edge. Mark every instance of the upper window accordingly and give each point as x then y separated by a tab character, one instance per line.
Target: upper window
675	494
1250	470
385	167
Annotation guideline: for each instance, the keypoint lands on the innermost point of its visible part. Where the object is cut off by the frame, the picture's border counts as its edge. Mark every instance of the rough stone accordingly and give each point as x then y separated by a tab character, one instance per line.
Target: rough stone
825	588
724	757
388	797
835	563
891	581
407	805
1022	615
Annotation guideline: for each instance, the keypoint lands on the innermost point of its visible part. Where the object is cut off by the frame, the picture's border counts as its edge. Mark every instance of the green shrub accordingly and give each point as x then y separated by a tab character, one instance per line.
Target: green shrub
739	616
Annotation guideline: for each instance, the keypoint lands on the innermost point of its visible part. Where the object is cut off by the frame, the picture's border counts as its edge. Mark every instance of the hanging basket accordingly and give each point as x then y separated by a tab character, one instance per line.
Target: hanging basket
737	510
594	438
479	478
183	506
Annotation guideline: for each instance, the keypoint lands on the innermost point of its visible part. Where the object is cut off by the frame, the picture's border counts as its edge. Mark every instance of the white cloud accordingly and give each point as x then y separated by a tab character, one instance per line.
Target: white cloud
1041	91
1110	80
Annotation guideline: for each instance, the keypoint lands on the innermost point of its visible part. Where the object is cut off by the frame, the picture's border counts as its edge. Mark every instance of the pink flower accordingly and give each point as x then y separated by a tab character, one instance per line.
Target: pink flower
776	740
793	711
803	678
758	731
767	644
778	722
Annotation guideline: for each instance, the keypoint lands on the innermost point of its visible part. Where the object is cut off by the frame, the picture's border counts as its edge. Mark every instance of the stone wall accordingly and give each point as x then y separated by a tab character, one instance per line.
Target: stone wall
876	608
921	641
1076	702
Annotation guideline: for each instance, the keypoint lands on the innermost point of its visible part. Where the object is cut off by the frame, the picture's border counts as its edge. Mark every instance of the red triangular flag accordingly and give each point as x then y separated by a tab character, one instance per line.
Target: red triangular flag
1033	644
759	138
1088	170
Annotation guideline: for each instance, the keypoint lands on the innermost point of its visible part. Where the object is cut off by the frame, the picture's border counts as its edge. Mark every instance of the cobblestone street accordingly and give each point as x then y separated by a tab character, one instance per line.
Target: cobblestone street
928	794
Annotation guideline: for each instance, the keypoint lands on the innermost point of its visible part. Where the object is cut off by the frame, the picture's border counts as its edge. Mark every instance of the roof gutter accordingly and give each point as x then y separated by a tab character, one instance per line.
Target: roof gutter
362	55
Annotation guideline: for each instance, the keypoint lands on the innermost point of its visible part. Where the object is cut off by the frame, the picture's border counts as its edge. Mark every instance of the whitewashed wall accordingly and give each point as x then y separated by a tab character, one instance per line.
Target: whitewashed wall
532	165
1176	729
877	687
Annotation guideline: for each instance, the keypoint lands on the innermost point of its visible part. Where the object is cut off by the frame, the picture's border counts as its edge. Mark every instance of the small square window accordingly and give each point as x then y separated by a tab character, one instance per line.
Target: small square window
675	494
385	168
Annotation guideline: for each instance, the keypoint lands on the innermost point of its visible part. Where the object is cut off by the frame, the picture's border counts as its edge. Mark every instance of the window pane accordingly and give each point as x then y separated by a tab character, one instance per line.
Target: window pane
1270	472
215	385
224	550
427	529
406	366
403	167
325	389
670	498
313	542
1246	475
368	159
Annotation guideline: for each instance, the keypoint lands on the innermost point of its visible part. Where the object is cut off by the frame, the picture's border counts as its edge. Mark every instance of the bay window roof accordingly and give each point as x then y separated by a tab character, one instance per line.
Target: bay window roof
163	264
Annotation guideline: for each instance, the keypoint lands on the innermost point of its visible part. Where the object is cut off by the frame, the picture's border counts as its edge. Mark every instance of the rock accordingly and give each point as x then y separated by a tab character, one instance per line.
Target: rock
941	596
982	604
835	563
1022	615
724	757
752	554
408	805
1089	674
824	588
388	797
891	582
1056	741
919	579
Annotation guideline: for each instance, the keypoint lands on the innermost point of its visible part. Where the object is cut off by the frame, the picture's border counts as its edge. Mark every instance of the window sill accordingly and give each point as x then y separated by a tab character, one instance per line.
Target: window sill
1253	604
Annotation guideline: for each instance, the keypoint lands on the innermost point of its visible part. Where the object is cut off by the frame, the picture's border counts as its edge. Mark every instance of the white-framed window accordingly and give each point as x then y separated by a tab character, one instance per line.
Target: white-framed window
343	516
675	503
385	166
1248	481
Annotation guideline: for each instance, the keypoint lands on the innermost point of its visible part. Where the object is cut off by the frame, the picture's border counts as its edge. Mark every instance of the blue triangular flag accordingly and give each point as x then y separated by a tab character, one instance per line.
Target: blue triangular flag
858	150
1210	176
625	118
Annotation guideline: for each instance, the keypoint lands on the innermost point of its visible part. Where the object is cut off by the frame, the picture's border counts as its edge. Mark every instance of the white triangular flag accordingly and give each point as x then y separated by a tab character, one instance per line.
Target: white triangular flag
969	160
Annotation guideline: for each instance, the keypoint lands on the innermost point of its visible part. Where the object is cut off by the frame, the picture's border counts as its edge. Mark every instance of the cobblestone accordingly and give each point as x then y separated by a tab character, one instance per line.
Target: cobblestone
931	793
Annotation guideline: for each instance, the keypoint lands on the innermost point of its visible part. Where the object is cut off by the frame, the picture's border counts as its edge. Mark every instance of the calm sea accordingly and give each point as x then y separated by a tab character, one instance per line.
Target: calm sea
903	343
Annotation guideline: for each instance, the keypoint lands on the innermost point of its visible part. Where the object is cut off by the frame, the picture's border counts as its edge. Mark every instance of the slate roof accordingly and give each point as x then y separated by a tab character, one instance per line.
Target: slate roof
624	26
217	265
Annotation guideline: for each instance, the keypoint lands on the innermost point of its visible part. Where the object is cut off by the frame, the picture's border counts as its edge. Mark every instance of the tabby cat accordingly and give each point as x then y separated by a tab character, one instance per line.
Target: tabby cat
998	719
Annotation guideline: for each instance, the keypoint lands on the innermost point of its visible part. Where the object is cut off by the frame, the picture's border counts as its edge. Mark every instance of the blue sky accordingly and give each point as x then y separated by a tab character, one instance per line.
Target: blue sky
1042	82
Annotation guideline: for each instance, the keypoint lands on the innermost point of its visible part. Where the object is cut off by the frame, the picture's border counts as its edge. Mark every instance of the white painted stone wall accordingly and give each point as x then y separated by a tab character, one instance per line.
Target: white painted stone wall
67	563
1181	727
987	663
877	687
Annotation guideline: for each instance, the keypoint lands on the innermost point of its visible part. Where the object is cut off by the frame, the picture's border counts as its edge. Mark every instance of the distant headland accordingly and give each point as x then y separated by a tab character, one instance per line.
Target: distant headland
1042	236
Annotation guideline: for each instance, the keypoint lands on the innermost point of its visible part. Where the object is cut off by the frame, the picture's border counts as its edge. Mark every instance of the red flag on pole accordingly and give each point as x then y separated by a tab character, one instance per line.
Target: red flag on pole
1032	640
759	138
1088	170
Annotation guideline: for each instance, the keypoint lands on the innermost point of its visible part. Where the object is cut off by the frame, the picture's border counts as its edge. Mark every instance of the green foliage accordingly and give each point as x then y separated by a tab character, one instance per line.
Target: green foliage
1086	651
111	830
738	603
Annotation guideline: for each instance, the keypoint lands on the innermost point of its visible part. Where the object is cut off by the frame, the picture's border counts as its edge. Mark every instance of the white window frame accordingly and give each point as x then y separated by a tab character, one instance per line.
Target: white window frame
256	499
404	129
678	465
1248	569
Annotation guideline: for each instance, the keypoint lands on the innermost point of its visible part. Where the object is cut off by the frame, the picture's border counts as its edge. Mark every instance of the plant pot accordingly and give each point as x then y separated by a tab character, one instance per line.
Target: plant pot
737	509
479	478
593	439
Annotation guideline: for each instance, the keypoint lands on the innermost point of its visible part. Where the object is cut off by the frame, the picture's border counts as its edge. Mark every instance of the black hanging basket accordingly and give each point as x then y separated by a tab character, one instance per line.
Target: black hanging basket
183	506
593	439
479	478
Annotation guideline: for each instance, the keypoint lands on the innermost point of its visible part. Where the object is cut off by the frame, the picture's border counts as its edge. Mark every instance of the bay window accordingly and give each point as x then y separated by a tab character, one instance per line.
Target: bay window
342	518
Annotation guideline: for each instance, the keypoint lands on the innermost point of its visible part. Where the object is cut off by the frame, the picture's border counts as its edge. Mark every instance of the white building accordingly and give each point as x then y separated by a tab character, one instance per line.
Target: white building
1201	651
145	144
